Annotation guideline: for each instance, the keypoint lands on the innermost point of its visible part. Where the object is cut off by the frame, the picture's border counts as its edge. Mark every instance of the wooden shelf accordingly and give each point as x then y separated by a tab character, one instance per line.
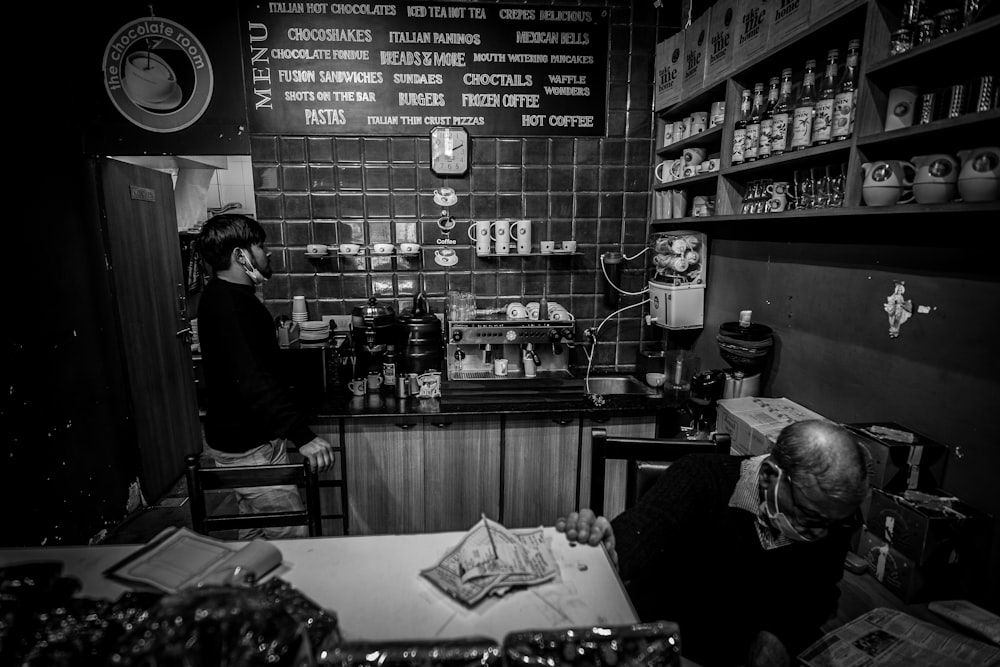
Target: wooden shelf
699	100
967	124
975	40
843	212
684	182
792	158
710	137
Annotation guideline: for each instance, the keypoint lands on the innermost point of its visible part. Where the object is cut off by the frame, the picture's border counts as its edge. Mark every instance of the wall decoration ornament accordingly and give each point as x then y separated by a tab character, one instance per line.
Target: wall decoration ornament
899	308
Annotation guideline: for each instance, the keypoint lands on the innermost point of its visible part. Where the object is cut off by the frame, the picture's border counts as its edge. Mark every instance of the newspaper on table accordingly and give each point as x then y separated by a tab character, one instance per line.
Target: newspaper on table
490	560
890	638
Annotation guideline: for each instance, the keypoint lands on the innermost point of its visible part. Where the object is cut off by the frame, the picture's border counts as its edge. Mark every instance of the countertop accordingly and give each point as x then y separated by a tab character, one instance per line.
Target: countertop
337	403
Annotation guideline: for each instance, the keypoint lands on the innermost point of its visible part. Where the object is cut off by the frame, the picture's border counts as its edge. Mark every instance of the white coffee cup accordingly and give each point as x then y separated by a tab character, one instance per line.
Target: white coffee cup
317	249
717	114
687	127
699	121
409	248
479	231
383	248
663	171
500	367
690	171
547	247
569	246
680	127
501	236
713	164
349	248
520	231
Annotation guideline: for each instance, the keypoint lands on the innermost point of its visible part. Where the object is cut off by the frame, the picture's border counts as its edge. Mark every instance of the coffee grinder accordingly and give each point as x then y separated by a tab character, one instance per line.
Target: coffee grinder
746	346
706	390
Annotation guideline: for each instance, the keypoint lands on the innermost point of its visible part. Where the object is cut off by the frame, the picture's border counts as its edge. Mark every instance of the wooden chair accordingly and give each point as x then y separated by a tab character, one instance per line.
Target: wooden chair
200	480
647	458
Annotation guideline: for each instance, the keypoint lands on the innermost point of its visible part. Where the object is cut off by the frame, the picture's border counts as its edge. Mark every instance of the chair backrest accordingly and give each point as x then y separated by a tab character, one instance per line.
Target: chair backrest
647	458
200	480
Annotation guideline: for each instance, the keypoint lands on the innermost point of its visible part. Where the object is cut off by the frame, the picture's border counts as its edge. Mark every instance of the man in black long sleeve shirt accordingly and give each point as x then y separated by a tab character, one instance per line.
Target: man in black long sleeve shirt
744	553
249	410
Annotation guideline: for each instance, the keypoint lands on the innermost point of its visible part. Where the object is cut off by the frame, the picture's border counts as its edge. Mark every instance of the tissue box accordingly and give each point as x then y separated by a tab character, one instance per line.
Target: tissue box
922	526
897	465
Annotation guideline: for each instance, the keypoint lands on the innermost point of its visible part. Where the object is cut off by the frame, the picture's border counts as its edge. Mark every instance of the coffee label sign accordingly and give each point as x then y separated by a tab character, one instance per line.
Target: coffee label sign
404	68
157	74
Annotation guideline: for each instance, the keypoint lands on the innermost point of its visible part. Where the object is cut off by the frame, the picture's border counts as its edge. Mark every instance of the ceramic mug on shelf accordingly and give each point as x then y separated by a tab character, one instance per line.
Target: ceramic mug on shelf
374	382
694	156
409	248
699	121
317	249
716	114
349	248
383	248
778	191
501	236
479	231
520	232
679	204
357	387
689	171
569	246
547	247
680	127
664	171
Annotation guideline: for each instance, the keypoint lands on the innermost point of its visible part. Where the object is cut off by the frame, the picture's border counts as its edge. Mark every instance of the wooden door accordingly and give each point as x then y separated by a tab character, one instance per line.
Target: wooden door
614	471
385	476
143	255
541	468
461	471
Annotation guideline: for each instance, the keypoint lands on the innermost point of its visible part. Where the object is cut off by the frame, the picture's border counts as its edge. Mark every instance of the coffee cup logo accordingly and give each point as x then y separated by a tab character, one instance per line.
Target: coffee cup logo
157	74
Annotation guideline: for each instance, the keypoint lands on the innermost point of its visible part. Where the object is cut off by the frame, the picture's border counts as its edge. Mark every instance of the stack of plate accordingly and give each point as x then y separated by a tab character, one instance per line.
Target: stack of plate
314	331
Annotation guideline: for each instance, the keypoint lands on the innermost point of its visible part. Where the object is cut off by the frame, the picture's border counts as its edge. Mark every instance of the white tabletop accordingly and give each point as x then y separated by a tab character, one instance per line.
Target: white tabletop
374	586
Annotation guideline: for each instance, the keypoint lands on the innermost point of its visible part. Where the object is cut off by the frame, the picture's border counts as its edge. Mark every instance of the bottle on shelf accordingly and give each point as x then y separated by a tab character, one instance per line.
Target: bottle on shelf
739	132
389	361
845	101
781	118
764	143
823	116
751	141
805	108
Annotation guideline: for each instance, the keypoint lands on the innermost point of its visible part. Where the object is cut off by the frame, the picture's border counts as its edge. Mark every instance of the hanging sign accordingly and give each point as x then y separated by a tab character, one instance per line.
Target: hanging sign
403	68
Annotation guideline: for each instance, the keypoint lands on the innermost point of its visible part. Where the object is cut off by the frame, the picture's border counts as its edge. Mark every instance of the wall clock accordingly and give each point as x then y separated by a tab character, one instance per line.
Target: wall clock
449	151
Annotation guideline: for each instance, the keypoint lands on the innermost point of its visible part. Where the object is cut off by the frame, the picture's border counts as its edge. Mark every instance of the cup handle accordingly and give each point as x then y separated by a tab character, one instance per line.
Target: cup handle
472	230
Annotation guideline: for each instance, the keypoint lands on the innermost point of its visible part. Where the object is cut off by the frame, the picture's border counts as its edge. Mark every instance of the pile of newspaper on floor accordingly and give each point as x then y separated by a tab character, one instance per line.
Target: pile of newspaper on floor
491	560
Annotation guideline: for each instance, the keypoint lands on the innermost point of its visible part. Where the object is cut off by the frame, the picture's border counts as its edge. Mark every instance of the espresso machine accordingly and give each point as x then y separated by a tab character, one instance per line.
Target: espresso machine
496	348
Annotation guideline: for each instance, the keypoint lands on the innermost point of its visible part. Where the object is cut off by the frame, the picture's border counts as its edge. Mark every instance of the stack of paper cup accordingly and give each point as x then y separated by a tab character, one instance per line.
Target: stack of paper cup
299	313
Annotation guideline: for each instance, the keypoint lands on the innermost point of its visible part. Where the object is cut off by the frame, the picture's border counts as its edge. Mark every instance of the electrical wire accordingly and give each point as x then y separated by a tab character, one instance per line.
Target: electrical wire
594	334
618	289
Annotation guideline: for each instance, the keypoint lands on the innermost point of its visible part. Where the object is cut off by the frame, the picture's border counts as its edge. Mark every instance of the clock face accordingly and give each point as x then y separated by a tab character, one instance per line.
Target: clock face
449	151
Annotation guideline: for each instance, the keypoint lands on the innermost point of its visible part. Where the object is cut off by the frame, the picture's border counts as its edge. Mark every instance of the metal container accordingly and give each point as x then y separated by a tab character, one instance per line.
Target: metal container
423	348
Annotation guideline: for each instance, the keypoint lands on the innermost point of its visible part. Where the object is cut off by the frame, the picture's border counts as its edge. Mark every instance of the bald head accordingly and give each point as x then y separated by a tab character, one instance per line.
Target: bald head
826	454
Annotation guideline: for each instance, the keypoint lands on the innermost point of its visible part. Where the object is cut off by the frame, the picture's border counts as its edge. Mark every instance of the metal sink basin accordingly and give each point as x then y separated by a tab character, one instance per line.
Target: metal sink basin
618	384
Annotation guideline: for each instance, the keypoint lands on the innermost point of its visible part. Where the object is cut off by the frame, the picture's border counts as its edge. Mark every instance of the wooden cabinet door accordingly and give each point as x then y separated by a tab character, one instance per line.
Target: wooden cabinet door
461	471
614	480
541	468
385	476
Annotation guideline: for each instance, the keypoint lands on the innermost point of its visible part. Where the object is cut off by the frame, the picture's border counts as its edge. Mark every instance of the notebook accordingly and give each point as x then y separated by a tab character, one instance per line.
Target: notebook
179	558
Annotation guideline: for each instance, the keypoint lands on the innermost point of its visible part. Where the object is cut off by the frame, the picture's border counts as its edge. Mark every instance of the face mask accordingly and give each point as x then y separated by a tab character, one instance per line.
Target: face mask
778	519
250	268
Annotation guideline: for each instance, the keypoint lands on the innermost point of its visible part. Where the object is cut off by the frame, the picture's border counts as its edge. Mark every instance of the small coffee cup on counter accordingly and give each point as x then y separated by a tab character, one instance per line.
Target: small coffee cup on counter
349	249
317	249
383	248
358	386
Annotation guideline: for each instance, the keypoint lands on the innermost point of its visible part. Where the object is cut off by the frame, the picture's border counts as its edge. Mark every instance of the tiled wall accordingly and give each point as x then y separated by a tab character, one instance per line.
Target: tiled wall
370	189
234	185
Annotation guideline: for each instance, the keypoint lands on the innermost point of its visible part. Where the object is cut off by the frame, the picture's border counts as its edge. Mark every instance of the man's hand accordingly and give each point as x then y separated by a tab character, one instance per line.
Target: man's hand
586	528
768	651
319	452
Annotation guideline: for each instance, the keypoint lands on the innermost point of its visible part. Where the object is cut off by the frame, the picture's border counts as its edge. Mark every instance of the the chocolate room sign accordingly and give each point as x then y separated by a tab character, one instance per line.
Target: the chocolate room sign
401	68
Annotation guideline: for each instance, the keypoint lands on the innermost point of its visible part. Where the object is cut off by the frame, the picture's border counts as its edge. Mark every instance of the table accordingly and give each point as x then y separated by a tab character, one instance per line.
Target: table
373	585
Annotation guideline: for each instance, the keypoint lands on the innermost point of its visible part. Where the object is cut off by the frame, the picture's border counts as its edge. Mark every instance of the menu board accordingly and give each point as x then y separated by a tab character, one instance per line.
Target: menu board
401	68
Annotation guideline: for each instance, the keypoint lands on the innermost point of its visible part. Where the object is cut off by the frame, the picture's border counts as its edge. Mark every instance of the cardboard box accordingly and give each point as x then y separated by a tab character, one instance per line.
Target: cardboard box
695	53
667	71
788	18
753	22
924	527
908	580
721	43
754	422
897	465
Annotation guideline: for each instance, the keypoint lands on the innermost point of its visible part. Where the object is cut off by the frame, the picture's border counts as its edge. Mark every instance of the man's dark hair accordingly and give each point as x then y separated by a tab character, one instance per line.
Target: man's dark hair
225	232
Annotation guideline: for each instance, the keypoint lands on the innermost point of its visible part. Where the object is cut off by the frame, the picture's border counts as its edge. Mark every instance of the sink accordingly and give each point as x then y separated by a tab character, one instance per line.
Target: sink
618	384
